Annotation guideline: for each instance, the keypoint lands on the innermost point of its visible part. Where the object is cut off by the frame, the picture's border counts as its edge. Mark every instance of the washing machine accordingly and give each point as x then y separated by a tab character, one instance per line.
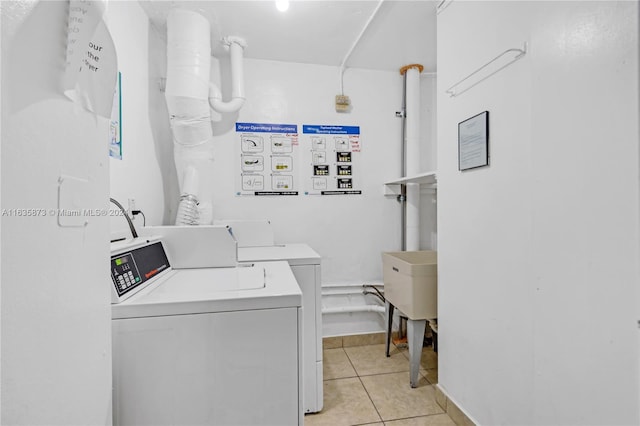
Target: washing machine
256	242
204	345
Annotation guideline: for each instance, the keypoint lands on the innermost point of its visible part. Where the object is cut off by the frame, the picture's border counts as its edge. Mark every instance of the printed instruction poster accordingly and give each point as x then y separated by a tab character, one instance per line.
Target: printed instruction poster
267	160
333	155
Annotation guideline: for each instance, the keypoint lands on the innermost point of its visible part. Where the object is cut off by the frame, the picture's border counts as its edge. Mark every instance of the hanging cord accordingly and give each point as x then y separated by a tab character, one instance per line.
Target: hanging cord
144	218
124	212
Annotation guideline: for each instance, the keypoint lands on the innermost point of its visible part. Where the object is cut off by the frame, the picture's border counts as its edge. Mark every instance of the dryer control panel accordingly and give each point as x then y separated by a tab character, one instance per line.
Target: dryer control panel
132	269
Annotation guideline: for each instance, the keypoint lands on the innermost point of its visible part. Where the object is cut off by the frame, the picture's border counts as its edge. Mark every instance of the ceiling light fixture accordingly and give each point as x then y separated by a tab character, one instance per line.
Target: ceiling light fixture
282	5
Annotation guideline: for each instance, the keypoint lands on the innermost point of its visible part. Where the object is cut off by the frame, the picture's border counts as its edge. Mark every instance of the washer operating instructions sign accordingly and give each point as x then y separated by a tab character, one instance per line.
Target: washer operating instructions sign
332	154
267	158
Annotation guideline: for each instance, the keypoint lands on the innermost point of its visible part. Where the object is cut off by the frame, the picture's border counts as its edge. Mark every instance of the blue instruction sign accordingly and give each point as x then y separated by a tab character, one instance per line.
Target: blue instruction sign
267	128
268	159
330	130
332	153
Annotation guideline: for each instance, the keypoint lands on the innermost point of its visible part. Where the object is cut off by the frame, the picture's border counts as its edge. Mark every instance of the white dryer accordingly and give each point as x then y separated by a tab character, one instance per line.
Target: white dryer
256	242
206	346
305	265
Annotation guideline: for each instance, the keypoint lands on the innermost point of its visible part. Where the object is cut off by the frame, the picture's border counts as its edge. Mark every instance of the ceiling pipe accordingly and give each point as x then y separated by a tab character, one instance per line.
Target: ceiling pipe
355	43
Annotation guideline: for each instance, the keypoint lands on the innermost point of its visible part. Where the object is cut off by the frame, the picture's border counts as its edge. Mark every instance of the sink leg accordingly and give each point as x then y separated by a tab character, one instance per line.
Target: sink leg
389	316
415	335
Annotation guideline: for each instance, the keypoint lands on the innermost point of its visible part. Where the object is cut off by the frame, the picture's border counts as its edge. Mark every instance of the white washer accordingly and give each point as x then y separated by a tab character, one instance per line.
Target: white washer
209	346
305	264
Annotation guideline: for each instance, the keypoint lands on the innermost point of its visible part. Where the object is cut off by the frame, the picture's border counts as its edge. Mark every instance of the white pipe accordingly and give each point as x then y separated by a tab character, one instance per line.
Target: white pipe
355	285
355	43
350	309
412	136
236	47
347	290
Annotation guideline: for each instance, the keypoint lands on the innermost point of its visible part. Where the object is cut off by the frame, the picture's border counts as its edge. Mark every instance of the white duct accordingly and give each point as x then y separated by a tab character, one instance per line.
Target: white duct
187	94
412	137
188	74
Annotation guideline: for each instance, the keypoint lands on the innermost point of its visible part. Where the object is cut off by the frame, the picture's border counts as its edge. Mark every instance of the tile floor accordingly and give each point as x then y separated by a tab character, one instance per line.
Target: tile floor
364	387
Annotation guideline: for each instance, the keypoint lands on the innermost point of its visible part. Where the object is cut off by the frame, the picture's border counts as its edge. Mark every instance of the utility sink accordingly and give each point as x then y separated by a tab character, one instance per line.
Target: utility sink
411	282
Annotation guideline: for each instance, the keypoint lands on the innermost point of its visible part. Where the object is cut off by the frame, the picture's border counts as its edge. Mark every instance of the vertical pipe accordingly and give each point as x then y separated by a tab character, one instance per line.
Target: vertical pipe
403	169
412	136
237	82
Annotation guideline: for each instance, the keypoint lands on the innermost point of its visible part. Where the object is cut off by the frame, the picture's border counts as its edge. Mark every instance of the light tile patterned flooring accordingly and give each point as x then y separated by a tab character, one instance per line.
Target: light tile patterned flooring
364	387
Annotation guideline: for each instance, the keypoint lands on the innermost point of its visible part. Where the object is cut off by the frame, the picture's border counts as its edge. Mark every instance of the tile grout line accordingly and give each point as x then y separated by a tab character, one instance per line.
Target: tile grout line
363	386
423	373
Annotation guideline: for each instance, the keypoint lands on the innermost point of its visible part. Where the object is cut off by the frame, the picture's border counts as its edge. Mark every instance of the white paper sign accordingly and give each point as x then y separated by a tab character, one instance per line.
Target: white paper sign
91	67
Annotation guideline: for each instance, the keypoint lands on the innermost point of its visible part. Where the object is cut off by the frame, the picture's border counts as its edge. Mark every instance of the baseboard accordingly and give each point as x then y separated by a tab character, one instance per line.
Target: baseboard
451	408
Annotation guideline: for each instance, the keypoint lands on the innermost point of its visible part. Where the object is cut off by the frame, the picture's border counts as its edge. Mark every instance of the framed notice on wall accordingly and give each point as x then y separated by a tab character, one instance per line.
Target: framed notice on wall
473	142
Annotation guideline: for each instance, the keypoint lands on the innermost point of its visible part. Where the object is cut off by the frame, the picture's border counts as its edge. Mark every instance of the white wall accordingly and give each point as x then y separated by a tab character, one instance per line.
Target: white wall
349	232
137	175
538	253
56	315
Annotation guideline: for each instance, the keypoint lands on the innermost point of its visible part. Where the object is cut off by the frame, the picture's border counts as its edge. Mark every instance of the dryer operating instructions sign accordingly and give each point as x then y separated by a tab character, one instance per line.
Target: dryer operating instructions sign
332	154
268	159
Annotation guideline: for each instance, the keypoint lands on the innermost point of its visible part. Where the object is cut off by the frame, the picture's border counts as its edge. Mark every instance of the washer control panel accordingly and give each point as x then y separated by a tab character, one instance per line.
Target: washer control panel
132	269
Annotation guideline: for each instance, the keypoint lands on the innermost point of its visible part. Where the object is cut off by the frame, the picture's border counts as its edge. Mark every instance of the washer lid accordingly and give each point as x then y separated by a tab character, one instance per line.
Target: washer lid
295	254
264	285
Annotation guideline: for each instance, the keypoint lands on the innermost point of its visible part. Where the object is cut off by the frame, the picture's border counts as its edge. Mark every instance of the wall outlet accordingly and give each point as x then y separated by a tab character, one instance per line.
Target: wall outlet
132	206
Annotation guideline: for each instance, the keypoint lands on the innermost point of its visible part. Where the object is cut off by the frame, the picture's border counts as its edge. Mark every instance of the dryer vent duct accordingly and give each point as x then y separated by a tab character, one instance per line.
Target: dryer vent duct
190	94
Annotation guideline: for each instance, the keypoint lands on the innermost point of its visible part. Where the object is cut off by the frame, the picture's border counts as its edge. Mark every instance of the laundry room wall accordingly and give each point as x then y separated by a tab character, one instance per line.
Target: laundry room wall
55	310
348	231
137	175
538	252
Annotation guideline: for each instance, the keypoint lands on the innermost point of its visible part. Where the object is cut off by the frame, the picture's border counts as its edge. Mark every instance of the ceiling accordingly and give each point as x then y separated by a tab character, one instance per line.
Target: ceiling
322	31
